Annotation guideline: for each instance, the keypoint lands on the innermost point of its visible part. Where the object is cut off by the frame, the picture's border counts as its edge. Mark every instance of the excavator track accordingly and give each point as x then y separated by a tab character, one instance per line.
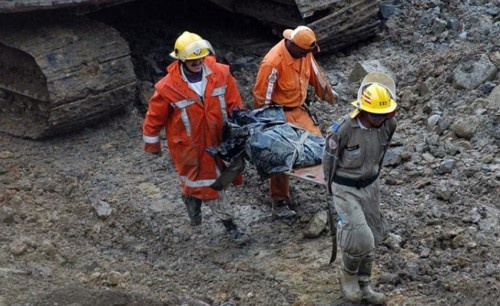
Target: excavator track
59	75
60	72
338	24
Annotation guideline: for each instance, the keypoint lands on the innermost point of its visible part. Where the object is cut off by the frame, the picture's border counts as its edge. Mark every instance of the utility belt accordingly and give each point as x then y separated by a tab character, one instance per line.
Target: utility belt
355	183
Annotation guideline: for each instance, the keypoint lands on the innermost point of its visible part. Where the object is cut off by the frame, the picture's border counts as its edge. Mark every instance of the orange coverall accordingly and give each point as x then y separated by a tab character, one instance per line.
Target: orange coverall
192	123
284	80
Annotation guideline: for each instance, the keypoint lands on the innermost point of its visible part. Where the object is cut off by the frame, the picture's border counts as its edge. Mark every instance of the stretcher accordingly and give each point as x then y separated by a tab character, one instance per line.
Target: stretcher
237	166
312	174
315	174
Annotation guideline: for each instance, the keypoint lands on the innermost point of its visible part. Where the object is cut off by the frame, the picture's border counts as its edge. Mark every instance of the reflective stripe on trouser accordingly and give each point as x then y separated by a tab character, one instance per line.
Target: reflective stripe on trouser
220	207
359	227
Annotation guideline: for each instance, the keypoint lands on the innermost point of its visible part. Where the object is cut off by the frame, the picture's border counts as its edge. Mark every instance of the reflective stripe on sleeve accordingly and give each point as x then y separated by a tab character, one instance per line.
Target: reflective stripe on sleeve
270	85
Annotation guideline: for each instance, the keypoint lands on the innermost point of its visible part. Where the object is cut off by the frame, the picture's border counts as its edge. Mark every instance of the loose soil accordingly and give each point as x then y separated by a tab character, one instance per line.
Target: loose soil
439	196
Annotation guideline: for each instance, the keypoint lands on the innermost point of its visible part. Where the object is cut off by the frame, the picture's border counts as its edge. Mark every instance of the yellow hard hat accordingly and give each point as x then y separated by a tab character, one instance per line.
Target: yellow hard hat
190	46
375	99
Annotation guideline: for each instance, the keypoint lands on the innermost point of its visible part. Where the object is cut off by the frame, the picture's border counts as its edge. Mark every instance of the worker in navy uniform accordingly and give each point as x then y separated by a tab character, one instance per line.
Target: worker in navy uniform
352	160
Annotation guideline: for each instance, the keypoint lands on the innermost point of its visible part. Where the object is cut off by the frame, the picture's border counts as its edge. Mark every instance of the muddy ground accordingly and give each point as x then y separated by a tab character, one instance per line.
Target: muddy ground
90	219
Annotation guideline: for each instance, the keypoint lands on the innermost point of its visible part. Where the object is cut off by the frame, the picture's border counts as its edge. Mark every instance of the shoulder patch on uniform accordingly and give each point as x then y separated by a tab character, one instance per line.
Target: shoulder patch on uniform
336	125
332	144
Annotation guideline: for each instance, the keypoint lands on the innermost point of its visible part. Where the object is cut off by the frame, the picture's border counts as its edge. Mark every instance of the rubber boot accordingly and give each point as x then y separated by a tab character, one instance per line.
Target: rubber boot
364	275
281	210
193	206
349	279
234	233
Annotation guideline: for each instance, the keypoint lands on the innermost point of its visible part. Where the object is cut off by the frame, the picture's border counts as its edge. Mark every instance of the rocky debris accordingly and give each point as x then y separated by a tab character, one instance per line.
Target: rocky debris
361	69
439	201
472	74
80	295
102	208
316	225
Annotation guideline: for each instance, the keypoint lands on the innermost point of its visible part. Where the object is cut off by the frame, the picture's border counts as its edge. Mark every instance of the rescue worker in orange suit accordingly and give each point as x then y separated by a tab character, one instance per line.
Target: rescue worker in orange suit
283	78
192	102
352	160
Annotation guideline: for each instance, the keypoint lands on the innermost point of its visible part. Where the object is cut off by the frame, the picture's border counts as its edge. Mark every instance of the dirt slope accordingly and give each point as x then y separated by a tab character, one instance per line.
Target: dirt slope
440	197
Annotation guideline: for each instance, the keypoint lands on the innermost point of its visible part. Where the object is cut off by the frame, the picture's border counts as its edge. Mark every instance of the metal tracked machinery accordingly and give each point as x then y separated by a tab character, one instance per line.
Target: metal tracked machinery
337	23
59	71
